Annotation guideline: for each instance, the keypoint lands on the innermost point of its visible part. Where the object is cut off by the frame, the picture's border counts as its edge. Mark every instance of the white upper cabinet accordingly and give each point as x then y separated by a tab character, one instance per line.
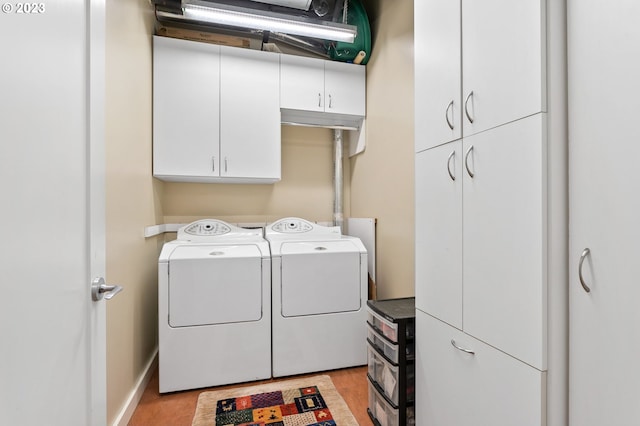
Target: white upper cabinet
478	64
437	73
316	85
249	114
344	88
503	62
216	113
186	108
301	83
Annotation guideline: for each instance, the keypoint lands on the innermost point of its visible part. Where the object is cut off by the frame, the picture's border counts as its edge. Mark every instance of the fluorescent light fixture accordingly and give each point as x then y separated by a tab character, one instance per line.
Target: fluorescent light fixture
267	21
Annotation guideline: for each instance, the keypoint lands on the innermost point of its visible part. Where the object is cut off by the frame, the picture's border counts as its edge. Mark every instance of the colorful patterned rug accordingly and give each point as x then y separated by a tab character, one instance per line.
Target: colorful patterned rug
311	401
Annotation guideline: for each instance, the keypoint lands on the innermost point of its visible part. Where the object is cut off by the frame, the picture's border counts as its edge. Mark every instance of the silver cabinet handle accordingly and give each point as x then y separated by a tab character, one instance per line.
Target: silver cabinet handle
100	289
451	156
319	100
446	115
226	165
468	351
330	106
466	161
584	254
466	107
213	164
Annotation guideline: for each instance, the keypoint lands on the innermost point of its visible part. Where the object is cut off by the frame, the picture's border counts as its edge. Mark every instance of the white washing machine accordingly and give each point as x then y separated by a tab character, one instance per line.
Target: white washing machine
214	307
319	287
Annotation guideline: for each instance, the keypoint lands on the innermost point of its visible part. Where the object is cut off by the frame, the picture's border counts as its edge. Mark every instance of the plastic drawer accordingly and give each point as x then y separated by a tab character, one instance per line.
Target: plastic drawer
381	410
384	374
389	350
387	329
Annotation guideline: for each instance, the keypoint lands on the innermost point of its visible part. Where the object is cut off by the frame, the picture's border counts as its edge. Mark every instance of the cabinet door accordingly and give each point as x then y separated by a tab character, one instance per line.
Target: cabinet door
186	108
604	209
438	225
249	114
504	252
344	88
437	73
503	64
301	83
456	388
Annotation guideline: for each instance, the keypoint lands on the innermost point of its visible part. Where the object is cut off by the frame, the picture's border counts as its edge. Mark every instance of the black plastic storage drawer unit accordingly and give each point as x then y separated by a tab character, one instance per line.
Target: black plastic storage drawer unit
391	349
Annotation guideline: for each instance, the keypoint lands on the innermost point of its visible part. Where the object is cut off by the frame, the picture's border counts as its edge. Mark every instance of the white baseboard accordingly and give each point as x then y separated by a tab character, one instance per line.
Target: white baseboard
129	407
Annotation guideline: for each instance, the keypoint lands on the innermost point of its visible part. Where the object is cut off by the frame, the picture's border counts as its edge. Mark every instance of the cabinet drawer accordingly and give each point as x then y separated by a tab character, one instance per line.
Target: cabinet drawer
486	387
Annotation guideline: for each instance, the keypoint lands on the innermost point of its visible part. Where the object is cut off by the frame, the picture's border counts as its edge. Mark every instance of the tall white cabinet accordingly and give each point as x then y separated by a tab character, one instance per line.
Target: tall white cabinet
603	69
478	64
489	162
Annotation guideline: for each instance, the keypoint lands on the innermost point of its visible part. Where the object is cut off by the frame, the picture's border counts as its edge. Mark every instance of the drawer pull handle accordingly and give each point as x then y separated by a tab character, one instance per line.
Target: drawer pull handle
468	351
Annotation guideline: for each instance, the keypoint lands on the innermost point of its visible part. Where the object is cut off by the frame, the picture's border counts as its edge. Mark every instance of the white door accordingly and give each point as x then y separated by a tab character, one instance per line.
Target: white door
438	251
603	40
52	368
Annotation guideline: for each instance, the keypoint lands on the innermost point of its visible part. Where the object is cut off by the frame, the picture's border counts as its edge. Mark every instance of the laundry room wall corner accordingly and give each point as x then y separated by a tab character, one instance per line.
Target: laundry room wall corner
382	182
133	202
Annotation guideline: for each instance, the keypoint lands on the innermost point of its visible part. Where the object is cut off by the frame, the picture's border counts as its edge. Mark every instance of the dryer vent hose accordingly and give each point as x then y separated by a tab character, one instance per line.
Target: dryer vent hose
338	179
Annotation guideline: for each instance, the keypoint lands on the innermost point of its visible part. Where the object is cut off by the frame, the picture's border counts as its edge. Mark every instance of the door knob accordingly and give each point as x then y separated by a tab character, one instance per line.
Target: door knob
100	289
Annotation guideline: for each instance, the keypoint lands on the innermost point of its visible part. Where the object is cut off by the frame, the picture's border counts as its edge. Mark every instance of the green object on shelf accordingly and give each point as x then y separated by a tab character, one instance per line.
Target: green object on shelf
360	50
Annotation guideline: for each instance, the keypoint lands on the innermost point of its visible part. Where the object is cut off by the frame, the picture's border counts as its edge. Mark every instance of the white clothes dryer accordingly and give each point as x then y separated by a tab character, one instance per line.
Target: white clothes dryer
319	287
214	307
